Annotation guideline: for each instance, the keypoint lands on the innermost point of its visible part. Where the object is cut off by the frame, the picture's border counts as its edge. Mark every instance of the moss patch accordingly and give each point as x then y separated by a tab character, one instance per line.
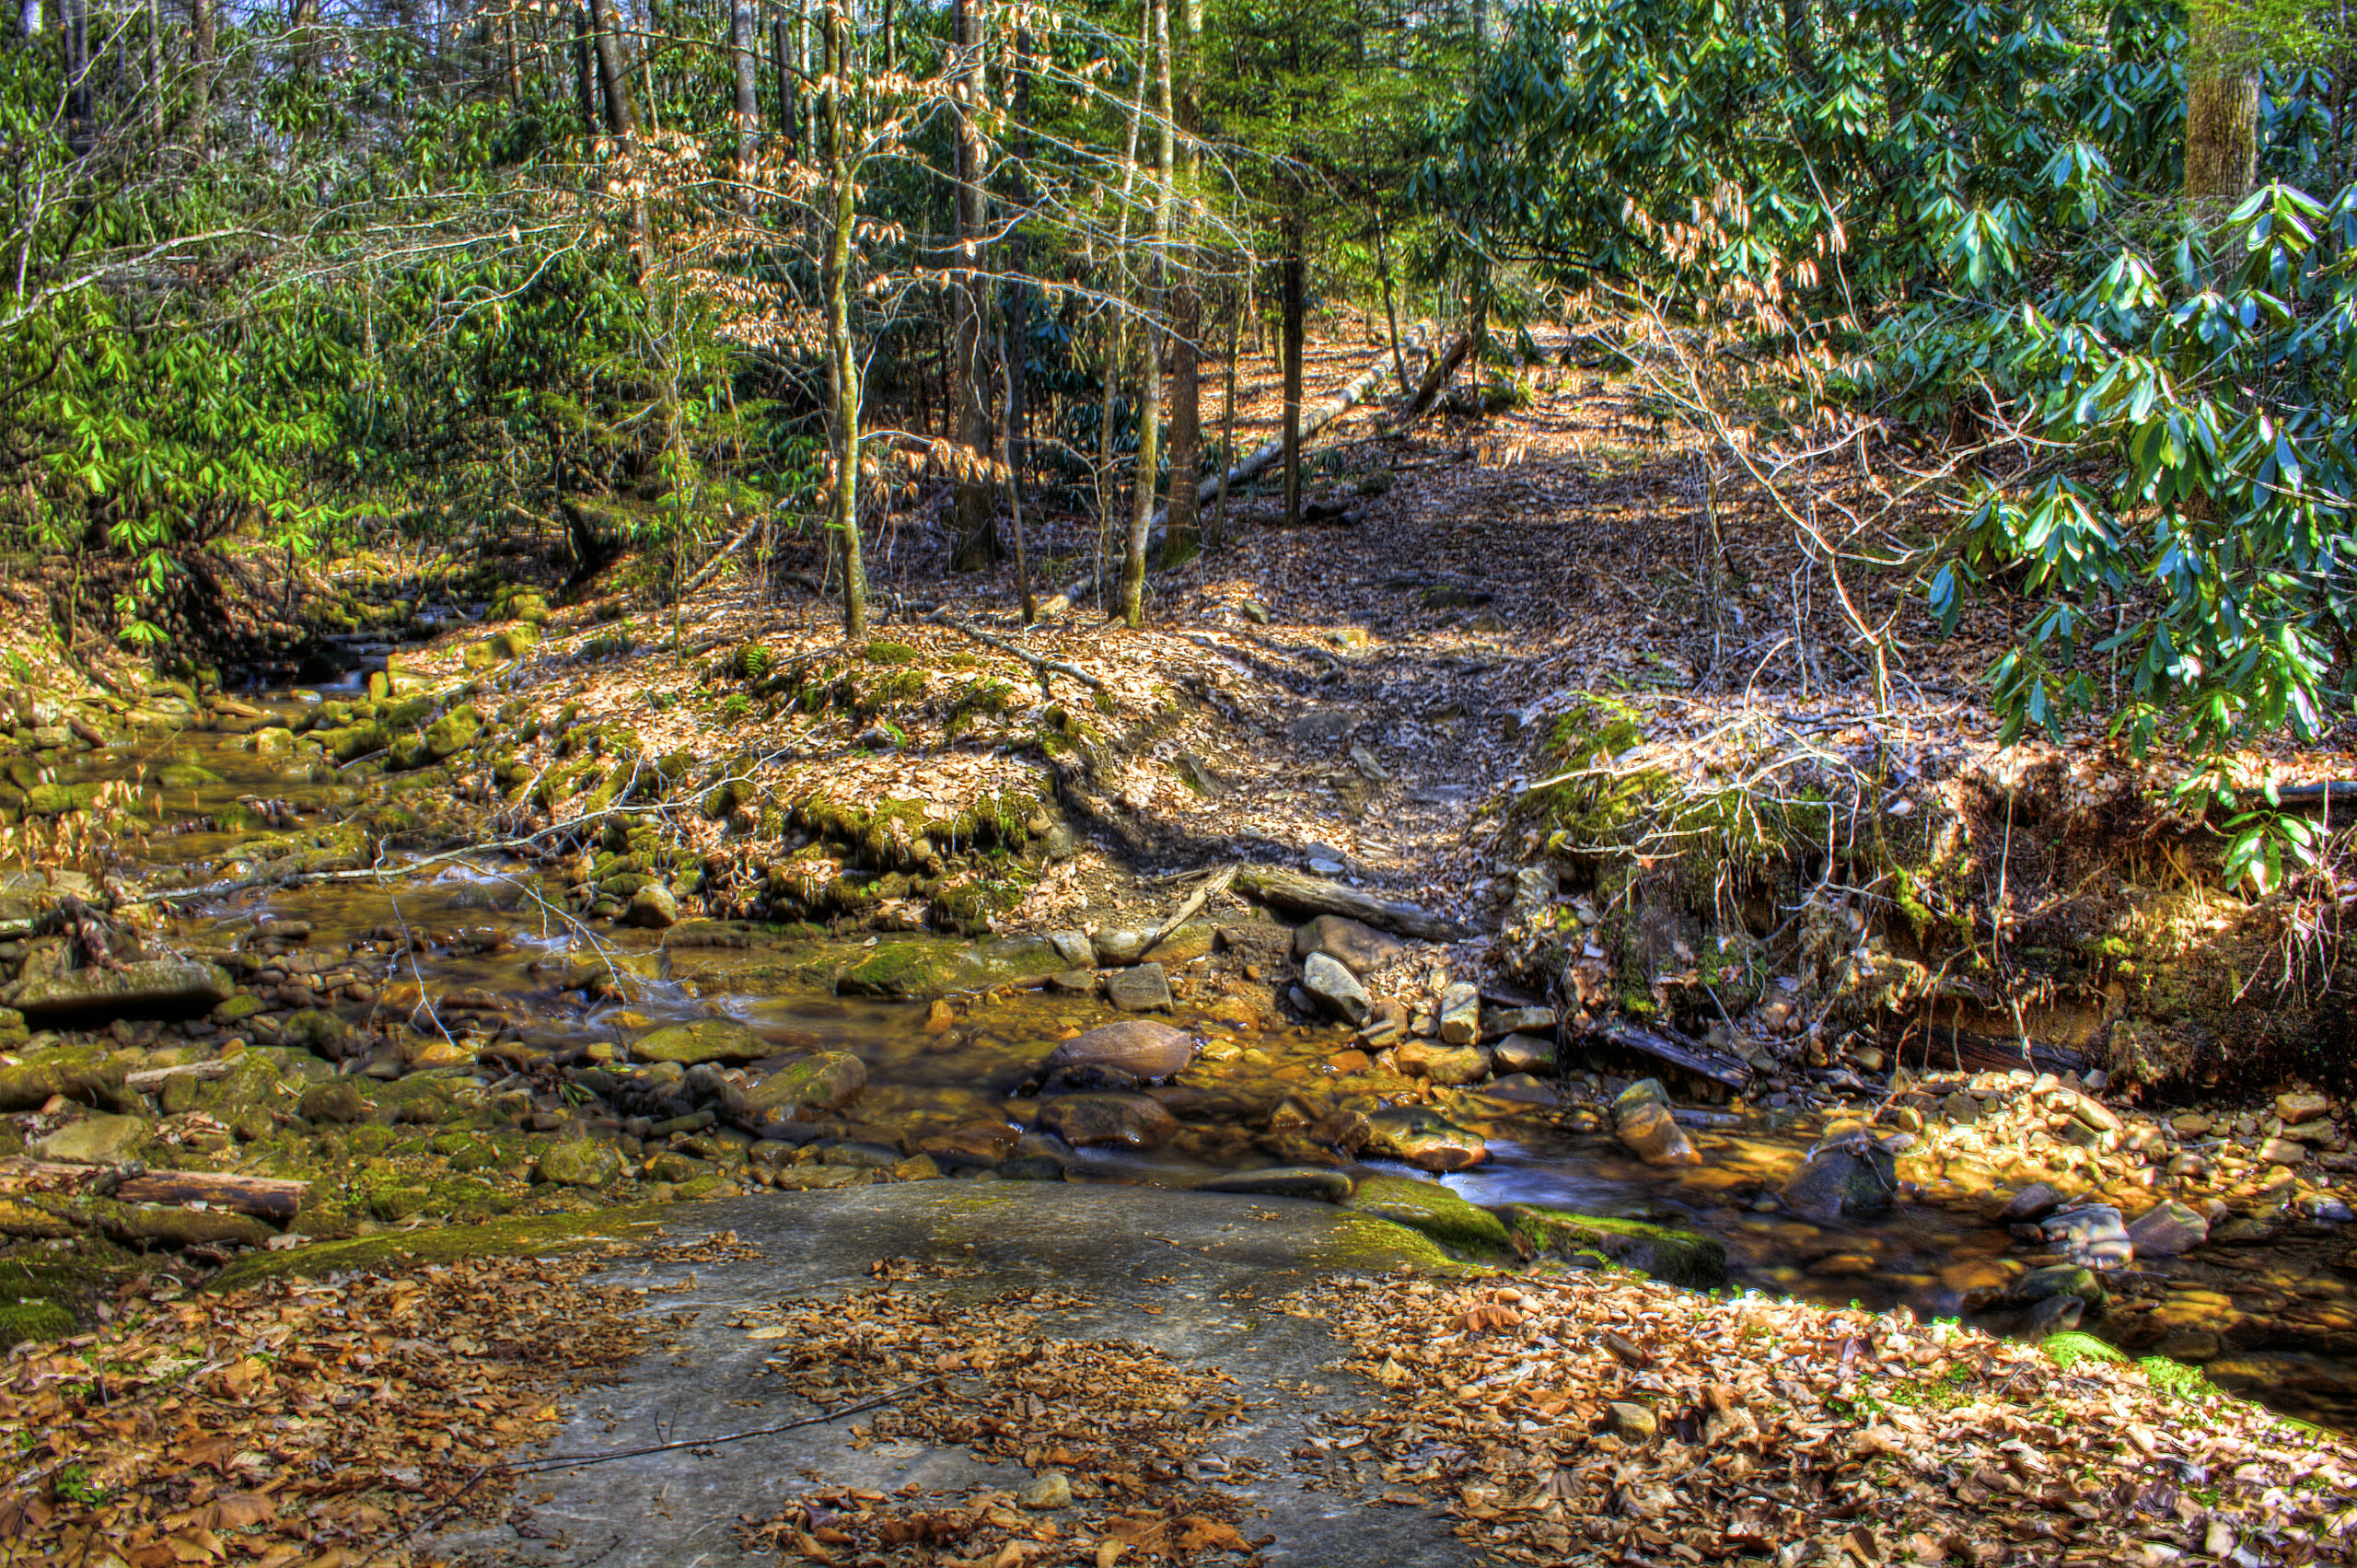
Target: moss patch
1678	1257
1438	1213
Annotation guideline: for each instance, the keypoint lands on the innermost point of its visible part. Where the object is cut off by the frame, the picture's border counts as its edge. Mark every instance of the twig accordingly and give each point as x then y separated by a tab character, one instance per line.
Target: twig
1194	900
575	1461
1044	665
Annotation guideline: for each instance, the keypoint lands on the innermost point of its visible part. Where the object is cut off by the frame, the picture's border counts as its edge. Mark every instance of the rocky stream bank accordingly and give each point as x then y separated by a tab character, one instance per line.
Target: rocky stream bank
474	936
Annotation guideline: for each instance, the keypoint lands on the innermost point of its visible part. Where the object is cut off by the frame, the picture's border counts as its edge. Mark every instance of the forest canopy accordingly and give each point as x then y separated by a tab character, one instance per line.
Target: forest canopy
642	274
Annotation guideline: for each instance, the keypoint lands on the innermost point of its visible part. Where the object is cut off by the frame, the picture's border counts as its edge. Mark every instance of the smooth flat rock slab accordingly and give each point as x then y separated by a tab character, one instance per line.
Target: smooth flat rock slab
1216	1266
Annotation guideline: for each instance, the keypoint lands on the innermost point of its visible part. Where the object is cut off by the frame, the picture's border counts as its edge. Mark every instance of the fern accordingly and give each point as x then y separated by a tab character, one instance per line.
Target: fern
2176	1379
2068	1349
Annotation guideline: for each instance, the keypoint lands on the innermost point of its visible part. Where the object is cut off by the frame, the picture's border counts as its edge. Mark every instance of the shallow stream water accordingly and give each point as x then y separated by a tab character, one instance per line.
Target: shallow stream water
495	925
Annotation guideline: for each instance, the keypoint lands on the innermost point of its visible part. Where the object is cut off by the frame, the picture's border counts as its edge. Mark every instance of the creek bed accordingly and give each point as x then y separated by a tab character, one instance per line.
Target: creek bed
497	934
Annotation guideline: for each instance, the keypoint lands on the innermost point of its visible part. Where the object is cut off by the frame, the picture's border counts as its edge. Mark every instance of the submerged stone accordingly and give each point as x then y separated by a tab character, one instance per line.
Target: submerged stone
1423	1139
1136	1122
1844	1183
1139	1047
828	1080
1145	989
705	1039
1284	1181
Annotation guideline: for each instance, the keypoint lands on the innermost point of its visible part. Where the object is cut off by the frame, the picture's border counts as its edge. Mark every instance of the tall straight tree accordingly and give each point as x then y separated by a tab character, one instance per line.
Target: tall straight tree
744	35
843	355
1150	356
1294	269
1186	354
977	497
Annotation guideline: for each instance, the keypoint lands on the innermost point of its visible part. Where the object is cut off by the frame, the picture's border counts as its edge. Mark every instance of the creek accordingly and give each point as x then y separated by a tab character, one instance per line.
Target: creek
492	939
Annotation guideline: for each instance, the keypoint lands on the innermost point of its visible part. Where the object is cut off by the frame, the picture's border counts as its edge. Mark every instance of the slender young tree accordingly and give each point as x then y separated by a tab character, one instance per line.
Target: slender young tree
1294	271
1187	317
977	499
843	355
1150	355
744	35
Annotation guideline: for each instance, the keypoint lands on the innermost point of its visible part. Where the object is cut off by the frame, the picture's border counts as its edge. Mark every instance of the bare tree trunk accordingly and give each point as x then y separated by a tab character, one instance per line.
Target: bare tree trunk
1116	350
743	33
585	69
977	498
204	16
613	75
1150	360
1295	268
1185	355
29	20
81	128
1218	535
789	91
802	70
1010	367
843	357
1390	304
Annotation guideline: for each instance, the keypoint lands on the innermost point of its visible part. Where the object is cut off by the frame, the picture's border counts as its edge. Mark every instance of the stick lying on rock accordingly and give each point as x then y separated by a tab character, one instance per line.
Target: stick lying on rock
264	1197
1313	895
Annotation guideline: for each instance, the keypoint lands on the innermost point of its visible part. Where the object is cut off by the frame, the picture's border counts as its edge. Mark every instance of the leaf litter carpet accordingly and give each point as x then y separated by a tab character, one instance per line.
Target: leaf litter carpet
1592	1419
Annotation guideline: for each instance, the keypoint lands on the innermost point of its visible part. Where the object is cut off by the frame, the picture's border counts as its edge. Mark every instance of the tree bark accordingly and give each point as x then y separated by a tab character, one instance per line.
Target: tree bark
843	355
1150	359
789	91
1295	268
613	78
743	30
585	69
204	16
1186	354
976	497
2220	108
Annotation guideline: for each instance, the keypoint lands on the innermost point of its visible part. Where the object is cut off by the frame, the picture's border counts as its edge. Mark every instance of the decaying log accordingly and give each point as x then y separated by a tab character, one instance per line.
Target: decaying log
1947	1049
1314	895
1699	1060
263	1197
150	1078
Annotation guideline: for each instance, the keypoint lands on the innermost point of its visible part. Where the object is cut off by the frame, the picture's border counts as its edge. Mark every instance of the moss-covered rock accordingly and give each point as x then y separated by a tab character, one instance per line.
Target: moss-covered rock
1429	1207
705	1039
1679	1257
580	1162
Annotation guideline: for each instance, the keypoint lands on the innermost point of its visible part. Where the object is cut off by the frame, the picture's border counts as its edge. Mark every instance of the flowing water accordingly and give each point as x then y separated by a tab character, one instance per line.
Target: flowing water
495	926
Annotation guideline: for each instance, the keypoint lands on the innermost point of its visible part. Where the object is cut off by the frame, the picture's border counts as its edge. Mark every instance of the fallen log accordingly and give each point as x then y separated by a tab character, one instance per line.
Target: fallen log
148	1078
1700	1061
1314	895
1945	1048
263	1197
